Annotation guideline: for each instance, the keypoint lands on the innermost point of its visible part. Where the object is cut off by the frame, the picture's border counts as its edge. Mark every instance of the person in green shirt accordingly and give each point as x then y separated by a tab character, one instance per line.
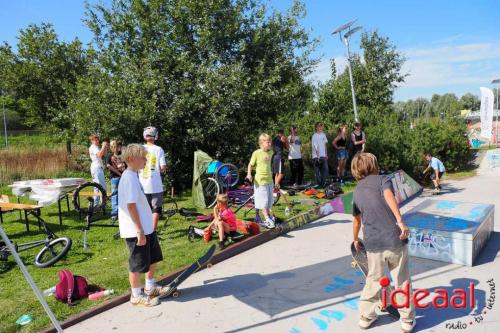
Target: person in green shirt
263	184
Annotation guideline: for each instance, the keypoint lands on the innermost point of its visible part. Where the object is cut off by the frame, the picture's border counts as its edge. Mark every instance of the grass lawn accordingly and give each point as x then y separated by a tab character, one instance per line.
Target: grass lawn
104	264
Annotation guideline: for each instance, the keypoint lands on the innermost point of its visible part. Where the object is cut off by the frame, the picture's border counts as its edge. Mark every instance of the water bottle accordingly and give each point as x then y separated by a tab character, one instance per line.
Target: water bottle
101	294
49	292
287	211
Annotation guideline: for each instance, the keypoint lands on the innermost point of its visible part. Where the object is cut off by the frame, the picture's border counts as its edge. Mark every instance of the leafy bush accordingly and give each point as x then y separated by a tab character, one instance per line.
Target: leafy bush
398	146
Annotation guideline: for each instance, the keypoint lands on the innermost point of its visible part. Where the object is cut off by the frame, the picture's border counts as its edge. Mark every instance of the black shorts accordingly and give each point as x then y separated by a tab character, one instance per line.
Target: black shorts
433	175
155	201
141	257
278	165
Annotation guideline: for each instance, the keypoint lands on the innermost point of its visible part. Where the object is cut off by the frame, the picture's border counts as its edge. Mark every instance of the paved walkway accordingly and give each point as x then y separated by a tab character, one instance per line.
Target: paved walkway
303	282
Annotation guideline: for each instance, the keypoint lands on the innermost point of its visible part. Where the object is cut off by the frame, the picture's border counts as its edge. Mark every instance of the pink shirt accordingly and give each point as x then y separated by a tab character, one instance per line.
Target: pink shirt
228	216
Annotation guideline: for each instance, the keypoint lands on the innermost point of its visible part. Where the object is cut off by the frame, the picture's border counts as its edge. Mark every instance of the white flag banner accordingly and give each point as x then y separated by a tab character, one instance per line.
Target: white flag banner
486	112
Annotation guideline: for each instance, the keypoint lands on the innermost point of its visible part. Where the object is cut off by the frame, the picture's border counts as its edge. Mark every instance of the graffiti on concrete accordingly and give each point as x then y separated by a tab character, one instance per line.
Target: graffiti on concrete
429	244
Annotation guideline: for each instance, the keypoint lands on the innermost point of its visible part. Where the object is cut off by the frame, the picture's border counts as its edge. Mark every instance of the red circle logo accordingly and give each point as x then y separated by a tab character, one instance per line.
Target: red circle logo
384	281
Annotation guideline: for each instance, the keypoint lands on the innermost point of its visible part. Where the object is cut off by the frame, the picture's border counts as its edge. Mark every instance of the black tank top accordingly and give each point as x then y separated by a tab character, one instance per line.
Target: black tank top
359	137
341	142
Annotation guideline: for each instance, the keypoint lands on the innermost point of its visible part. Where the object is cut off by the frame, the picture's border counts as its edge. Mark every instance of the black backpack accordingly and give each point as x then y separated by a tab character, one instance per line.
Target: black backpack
332	191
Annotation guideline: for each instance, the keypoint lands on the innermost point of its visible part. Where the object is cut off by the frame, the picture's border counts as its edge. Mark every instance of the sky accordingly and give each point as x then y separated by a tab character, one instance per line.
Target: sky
450	46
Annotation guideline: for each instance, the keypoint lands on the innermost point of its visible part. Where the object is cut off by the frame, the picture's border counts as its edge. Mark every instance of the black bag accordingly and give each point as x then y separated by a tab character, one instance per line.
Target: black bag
195	233
332	191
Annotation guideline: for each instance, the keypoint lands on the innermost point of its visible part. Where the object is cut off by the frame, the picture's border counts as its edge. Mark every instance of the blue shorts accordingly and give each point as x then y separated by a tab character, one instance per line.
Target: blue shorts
342	154
263	196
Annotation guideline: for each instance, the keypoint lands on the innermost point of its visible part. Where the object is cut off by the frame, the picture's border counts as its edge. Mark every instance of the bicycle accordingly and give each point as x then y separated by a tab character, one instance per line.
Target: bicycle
54	248
96	198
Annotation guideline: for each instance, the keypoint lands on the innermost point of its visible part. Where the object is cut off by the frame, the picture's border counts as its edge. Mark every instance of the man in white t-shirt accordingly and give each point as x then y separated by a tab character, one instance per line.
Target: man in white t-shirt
150	176
97	153
319	154
295	156
135	221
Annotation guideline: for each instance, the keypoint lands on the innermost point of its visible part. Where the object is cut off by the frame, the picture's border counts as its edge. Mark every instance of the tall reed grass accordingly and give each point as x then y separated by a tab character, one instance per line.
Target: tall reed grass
22	163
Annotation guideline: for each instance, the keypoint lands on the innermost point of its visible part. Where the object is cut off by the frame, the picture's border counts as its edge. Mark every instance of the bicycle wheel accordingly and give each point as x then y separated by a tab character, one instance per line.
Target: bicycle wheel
211	189
227	175
91	193
53	252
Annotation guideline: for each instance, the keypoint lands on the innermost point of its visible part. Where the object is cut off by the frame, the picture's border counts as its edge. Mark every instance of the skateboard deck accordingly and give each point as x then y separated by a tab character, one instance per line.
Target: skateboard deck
202	261
360	261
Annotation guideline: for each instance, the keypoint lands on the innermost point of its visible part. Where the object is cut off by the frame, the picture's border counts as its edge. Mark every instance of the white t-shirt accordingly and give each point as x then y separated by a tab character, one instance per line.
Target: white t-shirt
150	176
96	160
294	150
131	192
319	142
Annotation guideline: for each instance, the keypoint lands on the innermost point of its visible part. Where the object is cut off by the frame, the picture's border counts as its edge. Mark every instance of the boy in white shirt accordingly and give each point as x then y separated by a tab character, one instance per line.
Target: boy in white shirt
135	220
319	154
150	176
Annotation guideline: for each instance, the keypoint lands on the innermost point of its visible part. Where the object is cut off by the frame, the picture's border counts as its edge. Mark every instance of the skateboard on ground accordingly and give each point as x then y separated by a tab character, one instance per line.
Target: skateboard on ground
202	261
360	261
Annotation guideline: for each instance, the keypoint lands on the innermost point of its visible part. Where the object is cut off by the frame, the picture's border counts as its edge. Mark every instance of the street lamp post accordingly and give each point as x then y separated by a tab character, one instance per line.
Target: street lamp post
345	39
497	81
4	120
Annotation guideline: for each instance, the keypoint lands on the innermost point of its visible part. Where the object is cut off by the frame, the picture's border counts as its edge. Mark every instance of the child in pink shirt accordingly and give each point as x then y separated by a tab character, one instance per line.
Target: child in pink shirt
224	219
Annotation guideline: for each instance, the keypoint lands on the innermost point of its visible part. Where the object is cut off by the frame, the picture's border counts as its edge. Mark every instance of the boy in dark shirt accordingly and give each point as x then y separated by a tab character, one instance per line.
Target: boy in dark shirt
385	235
279	144
116	166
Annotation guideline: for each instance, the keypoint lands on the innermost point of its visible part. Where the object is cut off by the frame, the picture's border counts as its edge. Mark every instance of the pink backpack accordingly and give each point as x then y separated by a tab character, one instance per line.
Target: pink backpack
70	287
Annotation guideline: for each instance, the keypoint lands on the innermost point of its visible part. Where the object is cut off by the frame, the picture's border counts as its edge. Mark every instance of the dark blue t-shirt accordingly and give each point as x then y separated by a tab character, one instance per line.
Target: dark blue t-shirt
380	231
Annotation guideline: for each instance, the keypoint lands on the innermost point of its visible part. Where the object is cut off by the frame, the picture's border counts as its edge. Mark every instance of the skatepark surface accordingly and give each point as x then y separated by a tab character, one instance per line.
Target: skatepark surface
303	282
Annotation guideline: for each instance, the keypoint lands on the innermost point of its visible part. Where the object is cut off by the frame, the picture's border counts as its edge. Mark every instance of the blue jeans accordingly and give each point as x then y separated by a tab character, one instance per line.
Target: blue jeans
320	170
114	195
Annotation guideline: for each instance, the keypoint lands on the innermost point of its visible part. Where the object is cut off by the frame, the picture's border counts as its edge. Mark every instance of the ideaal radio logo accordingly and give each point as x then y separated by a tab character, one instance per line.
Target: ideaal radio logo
459	298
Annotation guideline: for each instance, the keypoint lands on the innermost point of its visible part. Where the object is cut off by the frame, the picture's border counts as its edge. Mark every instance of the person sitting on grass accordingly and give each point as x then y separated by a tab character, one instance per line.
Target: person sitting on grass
224	219
263	186
385	238
135	220
438	171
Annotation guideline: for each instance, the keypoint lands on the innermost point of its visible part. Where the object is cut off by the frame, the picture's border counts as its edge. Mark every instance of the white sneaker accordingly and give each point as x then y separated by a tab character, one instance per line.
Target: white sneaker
269	223
144	300
365	323
407	327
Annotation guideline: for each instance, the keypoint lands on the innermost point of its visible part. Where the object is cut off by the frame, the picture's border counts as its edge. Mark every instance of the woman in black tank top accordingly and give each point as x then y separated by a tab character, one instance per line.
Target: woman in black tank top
358	139
339	143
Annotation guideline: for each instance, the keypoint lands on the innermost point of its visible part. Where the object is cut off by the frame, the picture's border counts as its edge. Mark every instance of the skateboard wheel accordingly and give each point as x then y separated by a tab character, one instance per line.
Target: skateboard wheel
279	229
209	265
175	294
353	264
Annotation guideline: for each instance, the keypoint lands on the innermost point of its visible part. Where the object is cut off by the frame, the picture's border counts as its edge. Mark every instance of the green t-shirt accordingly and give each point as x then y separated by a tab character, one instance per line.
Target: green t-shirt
261	160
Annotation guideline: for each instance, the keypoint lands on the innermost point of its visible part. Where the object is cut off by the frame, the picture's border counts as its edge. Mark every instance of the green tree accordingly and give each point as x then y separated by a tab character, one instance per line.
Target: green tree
376	75
209	75
41	77
470	101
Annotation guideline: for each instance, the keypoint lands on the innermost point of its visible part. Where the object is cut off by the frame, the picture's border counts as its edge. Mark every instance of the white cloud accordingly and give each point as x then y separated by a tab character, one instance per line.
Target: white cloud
446	65
323	71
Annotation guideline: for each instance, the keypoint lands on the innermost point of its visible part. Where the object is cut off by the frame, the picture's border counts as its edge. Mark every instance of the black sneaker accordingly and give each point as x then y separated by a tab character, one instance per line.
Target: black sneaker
221	246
